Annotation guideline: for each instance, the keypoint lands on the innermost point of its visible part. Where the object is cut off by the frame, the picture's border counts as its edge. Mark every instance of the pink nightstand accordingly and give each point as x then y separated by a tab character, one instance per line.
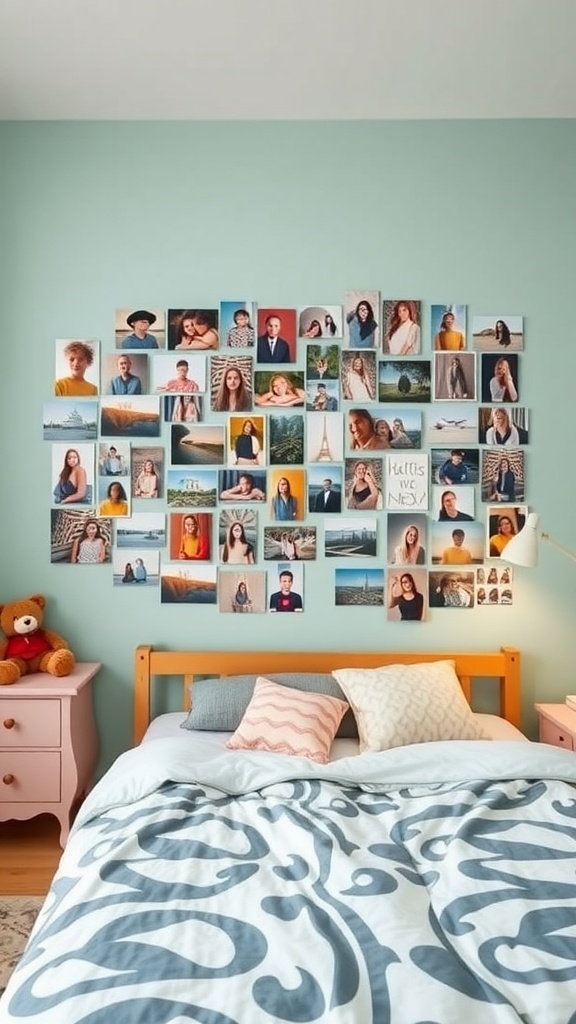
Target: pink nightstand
557	725
48	744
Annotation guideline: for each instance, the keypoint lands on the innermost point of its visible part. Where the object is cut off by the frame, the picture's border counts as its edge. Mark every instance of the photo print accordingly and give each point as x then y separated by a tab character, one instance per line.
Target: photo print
138	568
287	493
349	537
406	481
178	373
452	504
448	327
113	460
70	419
190	536
79	537
279	388
407	538
286	439
325	484
404	380
193	329
147	471
237	323
77	373
322	396
453	425
494	586
241	592
322	362
502	523
286	587
246	441
231	383
451	589
320	322
498	333
450	466
276	335
454	377
359	587
191	488
197	444
500	378
324	441
406	595
115	497
458	543
181	583
242	485
363	484
183	408
125	373
289	543
402	333
237	536
503	477
143	530
140	328
73	474
361	328
503	427
358	376
133	416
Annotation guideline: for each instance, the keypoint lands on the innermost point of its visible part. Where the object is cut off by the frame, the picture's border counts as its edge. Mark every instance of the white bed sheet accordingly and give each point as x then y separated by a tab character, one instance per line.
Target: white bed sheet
209	744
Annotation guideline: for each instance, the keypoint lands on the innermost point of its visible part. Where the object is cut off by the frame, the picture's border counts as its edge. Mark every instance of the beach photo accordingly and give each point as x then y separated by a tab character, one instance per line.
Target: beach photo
136	569
498	333
144	530
197	444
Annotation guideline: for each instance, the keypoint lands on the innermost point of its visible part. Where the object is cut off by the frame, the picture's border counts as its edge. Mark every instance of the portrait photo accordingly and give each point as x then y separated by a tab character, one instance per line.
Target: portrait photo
407	538
406	595
322	396
144	530
279	388
191	488
231	383
404	381
457	543
72	477
287	494
453	425
500	377
114	459
502	523
360	588
503	427
77	370
197	444
114	497
238	323
178	374
286	587
498	333
503	477
125	373
79	537
402	330
452	504
350	537
241	592
70	419
193	329
286	439
190	536
183	408
320	322
449	466
276	335
147	471
324	437
246	440
136	569
451	589
289	543
494	586
363	484
448	327
140	328
358	376
133	416
325	486
361	327
237	536
242	485
322	362
454	377
181	583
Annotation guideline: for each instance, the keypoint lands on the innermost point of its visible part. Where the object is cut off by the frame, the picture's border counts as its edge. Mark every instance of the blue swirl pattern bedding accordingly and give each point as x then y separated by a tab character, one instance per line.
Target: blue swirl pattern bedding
430	884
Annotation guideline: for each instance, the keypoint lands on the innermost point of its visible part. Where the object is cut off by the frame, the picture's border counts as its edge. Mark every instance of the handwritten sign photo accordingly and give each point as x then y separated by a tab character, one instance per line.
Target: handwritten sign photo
406	478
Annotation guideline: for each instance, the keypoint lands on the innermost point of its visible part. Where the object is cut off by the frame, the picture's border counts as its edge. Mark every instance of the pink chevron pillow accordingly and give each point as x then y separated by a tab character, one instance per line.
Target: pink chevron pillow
288	721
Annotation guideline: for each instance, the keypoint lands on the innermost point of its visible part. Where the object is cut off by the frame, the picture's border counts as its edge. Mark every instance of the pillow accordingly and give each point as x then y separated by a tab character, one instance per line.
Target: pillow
400	704
219	704
284	720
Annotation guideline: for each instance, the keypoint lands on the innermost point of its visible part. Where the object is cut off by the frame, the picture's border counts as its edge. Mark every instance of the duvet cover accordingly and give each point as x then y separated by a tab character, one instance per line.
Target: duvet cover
430	884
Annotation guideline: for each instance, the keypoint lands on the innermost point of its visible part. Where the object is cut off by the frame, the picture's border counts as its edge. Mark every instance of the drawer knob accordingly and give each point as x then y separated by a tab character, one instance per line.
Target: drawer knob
9	723
8	779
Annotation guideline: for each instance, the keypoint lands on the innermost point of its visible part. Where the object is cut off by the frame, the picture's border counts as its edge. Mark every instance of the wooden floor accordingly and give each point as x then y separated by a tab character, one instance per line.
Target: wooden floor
29	855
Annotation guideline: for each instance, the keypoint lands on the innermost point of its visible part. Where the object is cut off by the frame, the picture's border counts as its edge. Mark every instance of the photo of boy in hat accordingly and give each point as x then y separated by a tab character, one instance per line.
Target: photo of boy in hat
140	321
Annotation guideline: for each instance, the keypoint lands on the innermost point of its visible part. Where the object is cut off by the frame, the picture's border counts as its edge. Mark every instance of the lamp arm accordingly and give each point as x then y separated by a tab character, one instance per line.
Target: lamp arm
560	547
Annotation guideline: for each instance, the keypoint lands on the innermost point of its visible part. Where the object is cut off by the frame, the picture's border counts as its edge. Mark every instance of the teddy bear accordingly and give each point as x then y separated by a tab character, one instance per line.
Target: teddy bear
27	647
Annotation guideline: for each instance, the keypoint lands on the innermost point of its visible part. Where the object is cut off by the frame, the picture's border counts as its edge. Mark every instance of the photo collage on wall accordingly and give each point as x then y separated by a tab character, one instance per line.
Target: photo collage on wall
211	452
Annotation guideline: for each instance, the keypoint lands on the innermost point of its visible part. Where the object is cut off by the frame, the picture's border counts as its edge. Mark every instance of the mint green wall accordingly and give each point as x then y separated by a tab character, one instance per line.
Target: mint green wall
99	215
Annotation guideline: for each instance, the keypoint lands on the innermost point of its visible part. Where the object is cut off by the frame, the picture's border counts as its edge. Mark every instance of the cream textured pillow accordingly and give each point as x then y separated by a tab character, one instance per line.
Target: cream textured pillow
400	704
288	721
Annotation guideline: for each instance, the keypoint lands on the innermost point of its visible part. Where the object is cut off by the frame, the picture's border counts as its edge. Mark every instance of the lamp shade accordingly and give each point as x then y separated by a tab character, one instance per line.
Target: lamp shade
523	548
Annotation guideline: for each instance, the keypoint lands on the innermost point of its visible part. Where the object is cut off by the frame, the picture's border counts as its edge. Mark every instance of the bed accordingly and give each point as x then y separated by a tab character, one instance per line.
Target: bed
220	875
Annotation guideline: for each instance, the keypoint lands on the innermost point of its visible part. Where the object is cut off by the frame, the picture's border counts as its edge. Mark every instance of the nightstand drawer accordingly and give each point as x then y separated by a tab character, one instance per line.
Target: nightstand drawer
554	734
29	778
29	723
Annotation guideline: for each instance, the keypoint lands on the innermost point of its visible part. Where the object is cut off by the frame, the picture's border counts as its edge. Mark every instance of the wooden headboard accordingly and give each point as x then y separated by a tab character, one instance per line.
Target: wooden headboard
494	667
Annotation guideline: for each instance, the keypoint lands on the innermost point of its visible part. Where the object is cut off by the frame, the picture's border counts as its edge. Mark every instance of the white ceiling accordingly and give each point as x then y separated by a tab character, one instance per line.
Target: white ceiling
277	59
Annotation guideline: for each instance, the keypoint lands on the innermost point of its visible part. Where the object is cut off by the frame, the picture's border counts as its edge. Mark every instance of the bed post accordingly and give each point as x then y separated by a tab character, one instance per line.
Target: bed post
510	686
142	683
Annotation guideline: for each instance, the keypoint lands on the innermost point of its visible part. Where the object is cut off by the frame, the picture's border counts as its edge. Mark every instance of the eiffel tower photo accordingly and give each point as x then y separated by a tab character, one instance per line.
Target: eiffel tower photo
324	452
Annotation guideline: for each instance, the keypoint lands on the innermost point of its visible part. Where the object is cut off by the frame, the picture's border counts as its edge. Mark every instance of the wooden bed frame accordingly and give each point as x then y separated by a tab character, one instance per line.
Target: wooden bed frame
496	667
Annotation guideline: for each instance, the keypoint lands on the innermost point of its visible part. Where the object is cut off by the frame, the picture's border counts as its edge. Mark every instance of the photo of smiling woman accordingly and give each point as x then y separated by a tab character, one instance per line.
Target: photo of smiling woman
73	474
407	595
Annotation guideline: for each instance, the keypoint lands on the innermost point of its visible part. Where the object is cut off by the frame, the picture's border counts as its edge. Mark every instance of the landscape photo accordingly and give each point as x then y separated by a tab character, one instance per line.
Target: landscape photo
130	416
360	587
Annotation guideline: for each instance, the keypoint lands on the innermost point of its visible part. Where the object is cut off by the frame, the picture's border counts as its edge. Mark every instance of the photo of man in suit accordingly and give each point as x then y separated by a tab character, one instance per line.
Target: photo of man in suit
327	500
271	347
